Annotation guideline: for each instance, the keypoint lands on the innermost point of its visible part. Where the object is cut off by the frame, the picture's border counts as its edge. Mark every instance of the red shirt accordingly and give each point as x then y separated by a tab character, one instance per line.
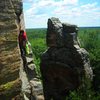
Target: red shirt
22	37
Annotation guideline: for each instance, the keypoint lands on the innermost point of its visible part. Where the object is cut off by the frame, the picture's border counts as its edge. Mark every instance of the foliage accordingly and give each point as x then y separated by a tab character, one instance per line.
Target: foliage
90	40
38	42
37	39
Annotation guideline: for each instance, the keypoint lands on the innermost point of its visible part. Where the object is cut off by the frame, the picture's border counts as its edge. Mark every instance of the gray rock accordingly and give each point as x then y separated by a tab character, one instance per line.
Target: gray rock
54	32
64	64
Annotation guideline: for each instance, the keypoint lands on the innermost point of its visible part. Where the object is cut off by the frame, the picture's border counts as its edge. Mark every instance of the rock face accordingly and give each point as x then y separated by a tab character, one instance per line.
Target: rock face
64	64
17	75
31	86
11	20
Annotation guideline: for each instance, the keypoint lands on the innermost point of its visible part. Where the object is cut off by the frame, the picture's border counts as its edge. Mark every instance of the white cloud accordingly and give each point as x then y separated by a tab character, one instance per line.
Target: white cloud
88	6
43	3
66	10
27	1
84	10
70	1
54	3
43	6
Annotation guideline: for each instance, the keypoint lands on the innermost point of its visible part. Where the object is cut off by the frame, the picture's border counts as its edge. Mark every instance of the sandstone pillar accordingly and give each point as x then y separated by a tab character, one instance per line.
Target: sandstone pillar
11	20
65	63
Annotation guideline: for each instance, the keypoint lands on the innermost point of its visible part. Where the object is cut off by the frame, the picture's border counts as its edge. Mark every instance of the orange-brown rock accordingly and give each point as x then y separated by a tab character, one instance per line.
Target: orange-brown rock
11	12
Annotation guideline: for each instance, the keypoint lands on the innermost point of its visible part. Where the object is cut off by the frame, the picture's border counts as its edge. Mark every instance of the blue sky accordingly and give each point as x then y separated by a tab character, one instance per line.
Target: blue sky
79	12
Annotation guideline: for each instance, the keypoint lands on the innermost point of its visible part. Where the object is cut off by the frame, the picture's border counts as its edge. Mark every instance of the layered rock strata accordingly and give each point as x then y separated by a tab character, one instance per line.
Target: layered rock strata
10	61
17	75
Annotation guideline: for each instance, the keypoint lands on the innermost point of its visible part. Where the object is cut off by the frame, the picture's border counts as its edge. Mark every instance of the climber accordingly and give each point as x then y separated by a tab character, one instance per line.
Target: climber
22	42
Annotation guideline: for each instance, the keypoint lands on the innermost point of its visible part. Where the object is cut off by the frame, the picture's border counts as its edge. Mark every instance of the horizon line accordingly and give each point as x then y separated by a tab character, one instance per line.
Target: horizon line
46	27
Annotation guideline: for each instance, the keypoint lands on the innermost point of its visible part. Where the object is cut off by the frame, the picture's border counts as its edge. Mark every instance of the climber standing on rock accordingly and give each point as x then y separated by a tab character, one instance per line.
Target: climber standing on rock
22	42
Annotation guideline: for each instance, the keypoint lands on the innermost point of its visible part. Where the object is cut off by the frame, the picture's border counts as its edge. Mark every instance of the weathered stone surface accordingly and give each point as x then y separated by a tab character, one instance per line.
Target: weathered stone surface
60	35
10	90
64	64
10	13
17	75
31	86
70	35
54	32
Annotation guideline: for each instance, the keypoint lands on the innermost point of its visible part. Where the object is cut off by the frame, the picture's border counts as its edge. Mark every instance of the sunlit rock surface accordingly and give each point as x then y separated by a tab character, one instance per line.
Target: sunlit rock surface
11	20
18	78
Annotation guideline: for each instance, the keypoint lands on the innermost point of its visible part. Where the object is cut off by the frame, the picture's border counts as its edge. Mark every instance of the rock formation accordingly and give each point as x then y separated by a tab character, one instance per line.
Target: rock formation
10	18
15	82
64	63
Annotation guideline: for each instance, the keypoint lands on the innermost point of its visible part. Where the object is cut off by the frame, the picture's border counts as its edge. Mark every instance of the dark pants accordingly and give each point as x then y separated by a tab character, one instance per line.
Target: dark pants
22	49
23	55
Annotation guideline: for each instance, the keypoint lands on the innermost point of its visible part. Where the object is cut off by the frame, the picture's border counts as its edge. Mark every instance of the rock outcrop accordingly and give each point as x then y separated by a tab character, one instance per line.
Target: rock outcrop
31	86
10	22
64	64
17	75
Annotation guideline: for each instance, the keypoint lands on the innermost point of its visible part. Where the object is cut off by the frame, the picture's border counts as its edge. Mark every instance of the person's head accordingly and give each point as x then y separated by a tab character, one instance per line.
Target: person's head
21	31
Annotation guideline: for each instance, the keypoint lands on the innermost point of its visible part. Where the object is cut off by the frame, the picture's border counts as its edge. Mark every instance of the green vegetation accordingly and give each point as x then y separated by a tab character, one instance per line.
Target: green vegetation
10	89
90	40
37	38
7	86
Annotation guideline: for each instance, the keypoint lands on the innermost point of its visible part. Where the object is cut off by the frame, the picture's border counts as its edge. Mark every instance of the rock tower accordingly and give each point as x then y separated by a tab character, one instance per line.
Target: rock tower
64	63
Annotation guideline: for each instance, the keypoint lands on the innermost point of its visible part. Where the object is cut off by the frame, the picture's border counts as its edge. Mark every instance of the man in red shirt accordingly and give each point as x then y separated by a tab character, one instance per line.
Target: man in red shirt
22	42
